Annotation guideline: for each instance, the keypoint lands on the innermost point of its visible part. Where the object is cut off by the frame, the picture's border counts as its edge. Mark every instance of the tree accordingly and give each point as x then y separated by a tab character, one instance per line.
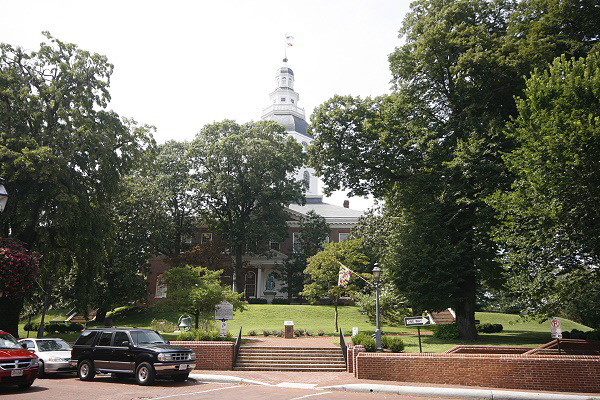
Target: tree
197	290
313	232
19	269
243	182
550	216
63	154
323	270
433	148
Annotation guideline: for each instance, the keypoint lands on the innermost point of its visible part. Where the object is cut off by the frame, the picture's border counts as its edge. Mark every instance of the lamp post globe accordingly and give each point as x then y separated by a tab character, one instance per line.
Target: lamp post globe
376	278
3	195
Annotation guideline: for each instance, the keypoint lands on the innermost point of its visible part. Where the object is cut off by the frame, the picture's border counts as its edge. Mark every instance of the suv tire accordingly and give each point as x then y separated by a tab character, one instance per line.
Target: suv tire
145	374
86	371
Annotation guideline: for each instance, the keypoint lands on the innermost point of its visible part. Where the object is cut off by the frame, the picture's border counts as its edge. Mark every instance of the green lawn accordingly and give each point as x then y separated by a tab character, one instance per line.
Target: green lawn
259	317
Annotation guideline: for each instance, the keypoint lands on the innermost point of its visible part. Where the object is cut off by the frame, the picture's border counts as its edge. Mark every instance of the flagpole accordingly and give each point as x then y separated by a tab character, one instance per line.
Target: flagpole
356	274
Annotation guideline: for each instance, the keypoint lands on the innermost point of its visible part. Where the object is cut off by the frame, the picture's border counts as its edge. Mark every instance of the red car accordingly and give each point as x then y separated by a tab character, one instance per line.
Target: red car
17	365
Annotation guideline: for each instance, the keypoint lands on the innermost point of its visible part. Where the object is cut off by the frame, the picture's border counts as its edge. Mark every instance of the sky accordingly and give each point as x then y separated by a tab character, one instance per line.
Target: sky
179	65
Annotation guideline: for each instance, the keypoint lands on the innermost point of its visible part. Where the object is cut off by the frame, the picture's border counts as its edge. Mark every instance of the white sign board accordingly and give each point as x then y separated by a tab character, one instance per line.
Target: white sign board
224	310
419	320
223	331
288	323
354	331
555	328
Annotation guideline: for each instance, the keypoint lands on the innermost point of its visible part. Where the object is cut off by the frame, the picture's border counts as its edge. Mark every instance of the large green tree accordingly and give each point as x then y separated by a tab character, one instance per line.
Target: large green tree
432	149
63	154
550	230
243	180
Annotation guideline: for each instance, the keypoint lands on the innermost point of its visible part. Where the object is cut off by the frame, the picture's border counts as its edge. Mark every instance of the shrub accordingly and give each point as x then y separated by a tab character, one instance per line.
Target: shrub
75	327
445	332
266	332
299	332
162	325
320	332
257	301
310	333
394	343
365	340
280	301
202	336
278	333
252	333
489	328
577	334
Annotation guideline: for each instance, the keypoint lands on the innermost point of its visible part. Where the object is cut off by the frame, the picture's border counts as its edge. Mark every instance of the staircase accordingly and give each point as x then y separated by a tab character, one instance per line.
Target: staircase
307	359
443	317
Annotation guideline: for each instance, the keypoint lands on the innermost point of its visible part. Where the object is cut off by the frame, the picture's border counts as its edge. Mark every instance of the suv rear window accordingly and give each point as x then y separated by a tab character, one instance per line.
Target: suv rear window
87	338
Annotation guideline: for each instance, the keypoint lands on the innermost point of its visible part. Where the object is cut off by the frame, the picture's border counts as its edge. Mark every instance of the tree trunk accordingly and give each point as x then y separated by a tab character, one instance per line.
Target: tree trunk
465	313
335	307
238	287
10	309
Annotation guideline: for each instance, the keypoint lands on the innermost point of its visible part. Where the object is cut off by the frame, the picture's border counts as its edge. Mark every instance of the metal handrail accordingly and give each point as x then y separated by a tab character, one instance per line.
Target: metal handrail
344	346
236	350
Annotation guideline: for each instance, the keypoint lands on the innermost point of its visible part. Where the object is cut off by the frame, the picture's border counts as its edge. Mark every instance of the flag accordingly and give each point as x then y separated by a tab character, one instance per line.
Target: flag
289	40
344	275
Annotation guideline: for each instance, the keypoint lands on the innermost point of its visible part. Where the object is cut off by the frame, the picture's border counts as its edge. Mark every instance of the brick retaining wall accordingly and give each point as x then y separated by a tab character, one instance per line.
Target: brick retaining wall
510	371
211	355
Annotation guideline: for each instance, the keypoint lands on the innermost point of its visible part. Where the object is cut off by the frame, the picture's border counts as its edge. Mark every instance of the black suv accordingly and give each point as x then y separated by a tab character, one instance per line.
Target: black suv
130	351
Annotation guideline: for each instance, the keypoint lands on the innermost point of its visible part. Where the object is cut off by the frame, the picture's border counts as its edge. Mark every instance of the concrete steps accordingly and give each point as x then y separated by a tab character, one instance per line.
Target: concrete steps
308	359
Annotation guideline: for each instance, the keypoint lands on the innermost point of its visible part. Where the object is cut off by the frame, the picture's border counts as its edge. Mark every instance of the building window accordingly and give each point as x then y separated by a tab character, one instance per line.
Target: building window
250	284
273	245
186	240
206	237
296	242
292	100
283	99
344	237
161	287
306	179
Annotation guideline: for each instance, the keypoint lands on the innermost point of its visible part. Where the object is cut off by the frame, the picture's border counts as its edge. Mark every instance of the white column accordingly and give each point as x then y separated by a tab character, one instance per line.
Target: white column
259	284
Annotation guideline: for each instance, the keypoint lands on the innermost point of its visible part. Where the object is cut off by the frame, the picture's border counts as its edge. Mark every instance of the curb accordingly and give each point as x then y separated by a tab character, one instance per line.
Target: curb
455	392
481	394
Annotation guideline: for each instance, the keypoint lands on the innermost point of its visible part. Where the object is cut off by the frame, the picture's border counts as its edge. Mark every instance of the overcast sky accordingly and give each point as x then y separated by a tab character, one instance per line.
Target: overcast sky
182	64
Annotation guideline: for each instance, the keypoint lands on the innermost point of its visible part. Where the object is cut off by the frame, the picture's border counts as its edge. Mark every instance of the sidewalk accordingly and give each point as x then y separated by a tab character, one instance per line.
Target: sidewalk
345	381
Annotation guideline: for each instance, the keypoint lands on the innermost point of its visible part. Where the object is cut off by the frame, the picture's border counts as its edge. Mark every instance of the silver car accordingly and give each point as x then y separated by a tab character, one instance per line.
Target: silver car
54	354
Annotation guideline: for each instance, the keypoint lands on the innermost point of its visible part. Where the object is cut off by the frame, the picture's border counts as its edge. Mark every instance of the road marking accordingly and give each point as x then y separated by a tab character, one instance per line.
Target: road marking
309	395
190	393
294	385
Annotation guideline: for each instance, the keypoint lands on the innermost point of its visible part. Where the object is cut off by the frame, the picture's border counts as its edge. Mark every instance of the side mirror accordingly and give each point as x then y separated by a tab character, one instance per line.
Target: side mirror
167	341
24	345
125	343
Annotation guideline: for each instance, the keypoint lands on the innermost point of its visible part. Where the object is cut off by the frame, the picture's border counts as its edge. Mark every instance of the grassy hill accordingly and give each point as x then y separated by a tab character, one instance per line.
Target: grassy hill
259	317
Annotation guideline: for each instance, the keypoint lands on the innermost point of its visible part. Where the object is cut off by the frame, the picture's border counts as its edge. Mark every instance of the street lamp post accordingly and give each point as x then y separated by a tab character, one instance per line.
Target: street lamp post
49	282
3	195
376	277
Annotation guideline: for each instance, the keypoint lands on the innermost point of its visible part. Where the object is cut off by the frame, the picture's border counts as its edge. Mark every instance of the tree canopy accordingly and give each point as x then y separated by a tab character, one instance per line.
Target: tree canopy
433	148
63	155
550	230
243	180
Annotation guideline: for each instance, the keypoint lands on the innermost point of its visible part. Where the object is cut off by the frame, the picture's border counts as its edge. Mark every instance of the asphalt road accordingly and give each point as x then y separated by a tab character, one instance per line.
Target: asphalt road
106	388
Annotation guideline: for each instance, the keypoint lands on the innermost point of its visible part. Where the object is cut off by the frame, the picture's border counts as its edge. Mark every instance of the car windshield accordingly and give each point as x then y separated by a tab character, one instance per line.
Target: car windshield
8	342
53	345
139	337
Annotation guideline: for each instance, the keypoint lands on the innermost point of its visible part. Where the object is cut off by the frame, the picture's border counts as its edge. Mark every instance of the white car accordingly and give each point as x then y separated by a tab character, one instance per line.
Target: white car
54	354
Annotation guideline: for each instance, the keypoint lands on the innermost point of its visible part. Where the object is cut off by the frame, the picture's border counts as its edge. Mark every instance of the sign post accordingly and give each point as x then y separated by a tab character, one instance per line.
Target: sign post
418	321
556	331
223	312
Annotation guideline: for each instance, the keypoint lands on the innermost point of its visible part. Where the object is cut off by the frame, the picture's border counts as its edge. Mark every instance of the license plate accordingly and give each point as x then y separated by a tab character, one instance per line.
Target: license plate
16	372
183	367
